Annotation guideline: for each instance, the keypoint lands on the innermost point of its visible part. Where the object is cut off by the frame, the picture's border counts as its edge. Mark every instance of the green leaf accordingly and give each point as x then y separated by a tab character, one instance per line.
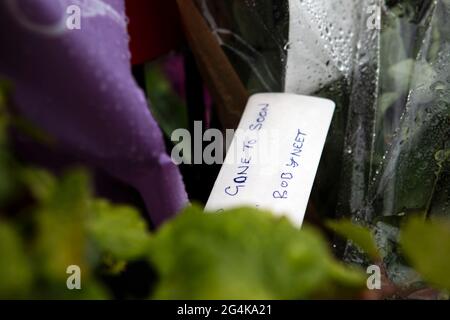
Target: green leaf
8	177
245	254
427	247
15	268
40	182
167	108
401	73
60	220
119	231
359	235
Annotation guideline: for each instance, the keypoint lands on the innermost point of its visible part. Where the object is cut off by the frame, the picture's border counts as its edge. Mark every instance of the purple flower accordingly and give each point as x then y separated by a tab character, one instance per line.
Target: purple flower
76	84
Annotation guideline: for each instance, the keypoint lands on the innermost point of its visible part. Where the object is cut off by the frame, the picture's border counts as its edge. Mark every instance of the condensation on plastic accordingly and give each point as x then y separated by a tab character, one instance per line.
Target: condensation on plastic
321	43
254	36
387	147
297	46
398	137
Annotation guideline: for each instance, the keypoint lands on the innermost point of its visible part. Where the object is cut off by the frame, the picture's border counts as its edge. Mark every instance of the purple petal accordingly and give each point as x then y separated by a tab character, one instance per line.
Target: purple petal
77	85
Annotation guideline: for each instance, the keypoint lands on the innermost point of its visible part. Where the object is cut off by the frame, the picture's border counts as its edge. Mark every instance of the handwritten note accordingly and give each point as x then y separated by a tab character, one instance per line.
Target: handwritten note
273	158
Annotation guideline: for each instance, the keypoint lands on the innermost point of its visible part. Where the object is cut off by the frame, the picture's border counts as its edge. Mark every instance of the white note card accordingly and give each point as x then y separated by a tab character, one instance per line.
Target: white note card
273	158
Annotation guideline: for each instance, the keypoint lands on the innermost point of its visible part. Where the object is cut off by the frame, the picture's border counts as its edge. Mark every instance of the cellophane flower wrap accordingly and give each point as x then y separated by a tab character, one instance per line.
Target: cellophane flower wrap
398	137
386	64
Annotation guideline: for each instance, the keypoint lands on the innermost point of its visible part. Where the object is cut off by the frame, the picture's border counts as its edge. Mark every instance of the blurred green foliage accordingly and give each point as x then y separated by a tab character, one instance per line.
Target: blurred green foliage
41	242
119	231
360	236
425	244
246	254
167	107
15	267
427	247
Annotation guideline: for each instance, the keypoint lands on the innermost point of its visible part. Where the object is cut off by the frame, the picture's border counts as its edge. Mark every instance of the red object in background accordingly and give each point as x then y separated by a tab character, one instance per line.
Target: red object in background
154	28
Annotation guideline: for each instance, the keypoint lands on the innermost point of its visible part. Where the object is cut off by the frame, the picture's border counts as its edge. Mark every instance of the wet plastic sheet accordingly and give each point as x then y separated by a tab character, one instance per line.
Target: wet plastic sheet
322	38
398	138
386	64
254	35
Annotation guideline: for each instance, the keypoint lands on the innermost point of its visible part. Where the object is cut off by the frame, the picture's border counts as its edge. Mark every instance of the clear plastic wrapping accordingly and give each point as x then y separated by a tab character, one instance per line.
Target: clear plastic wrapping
386	64
398	164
